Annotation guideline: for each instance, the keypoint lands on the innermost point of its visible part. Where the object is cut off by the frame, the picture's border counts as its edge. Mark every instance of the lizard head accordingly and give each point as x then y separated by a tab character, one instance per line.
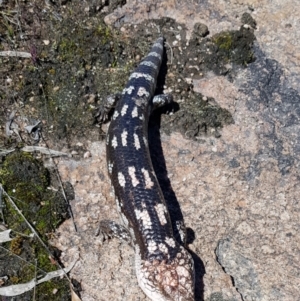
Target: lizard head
171	280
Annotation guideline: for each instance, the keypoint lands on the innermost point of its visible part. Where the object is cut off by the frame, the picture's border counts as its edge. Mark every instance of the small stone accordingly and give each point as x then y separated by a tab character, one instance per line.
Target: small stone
189	80
87	155
91	98
200	30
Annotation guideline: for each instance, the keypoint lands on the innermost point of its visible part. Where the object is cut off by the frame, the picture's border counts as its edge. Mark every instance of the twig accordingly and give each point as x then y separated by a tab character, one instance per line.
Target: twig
12	53
45	99
18	19
1	205
43	150
34	289
4	152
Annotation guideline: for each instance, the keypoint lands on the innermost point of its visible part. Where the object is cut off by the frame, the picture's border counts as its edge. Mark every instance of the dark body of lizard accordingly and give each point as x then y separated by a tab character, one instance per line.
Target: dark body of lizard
164	268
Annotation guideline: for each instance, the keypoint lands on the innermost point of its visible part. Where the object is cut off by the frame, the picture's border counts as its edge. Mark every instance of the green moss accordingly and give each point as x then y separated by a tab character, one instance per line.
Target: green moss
14	280
24	177
225	44
26	180
197	118
38	260
16	245
72	45
104	32
46	290
235	46
52	71
28	272
68	49
224	40
10	31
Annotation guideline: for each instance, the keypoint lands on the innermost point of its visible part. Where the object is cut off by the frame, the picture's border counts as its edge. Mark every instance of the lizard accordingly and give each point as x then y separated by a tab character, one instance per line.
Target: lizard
164	267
